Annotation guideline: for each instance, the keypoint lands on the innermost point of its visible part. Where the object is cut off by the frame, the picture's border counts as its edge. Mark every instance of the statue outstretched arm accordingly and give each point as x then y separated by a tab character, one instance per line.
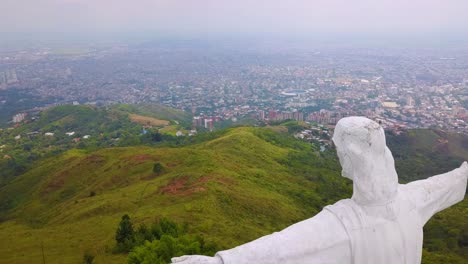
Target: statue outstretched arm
316	240
196	259
321	239
438	192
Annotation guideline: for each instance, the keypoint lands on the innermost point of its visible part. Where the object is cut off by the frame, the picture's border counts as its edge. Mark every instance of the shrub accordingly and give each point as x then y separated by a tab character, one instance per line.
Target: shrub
88	258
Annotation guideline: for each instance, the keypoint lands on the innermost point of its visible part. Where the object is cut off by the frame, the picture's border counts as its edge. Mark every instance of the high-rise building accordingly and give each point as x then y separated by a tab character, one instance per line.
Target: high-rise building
3	79
272	115
209	123
409	101
261	115
298	116
197	121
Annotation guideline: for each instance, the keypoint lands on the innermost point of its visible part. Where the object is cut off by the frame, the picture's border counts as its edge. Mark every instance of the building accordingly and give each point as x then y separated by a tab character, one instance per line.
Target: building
18	118
197	121
298	116
209	123
390	105
261	115
409	101
272	115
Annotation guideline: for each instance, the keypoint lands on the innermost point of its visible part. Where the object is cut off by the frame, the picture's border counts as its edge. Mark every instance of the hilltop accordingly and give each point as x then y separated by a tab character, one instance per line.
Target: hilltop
231	186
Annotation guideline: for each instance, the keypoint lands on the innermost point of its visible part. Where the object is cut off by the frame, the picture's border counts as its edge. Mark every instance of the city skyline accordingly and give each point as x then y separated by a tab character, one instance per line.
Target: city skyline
402	88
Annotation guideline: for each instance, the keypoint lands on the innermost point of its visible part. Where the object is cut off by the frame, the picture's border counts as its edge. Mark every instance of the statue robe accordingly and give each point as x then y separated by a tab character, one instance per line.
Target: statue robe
348	232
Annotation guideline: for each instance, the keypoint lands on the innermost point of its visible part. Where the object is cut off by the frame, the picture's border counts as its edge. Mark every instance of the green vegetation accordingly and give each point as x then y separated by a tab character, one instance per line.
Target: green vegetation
227	187
422	153
88	258
160	242
125	236
158	168
157	111
89	128
231	187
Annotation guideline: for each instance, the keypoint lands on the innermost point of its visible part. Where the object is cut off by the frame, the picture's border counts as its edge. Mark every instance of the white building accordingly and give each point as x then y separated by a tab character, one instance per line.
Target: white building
19	117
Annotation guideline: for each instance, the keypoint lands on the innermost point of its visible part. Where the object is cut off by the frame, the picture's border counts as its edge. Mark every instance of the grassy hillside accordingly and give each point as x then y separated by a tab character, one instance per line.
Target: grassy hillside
89	127
233	189
420	153
156	111
235	186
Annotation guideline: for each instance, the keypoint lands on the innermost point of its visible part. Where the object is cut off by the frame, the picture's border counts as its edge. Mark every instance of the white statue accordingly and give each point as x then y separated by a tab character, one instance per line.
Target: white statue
382	222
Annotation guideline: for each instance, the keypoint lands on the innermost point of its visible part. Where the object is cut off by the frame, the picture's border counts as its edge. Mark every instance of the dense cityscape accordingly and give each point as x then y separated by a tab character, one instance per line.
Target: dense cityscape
401	88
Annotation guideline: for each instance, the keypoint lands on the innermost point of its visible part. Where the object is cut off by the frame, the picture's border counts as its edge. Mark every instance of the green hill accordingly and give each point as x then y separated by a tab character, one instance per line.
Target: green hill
421	153
235	186
88	127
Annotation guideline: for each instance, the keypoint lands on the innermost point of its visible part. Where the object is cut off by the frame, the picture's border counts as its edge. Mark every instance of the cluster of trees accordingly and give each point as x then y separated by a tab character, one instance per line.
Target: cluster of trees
159	242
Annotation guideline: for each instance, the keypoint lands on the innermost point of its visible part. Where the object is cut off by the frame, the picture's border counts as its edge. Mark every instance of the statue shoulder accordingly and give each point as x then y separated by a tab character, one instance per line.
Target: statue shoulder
348	213
344	206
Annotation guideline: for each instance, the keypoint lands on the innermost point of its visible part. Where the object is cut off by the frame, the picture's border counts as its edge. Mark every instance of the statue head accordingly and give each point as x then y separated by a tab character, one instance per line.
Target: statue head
366	160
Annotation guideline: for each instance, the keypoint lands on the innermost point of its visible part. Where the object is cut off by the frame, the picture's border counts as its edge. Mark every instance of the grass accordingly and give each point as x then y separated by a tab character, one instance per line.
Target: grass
155	111
245	183
234	190
172	130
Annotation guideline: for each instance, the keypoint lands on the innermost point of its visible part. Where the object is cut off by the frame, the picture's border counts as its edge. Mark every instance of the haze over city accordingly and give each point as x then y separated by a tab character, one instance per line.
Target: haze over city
210	17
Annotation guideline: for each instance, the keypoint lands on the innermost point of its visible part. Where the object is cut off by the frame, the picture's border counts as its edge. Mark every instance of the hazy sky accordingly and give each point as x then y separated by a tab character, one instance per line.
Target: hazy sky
236	16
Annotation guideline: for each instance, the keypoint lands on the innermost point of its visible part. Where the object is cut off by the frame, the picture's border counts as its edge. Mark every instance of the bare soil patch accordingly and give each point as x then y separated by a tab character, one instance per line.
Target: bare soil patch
181	186
149	121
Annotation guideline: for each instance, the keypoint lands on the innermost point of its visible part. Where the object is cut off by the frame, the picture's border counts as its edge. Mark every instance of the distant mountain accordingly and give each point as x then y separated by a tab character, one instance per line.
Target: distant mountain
231	187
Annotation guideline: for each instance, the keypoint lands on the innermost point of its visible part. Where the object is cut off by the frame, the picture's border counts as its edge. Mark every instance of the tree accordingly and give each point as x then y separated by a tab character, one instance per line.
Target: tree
146	253
88	258
125	234
156	137
158	168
